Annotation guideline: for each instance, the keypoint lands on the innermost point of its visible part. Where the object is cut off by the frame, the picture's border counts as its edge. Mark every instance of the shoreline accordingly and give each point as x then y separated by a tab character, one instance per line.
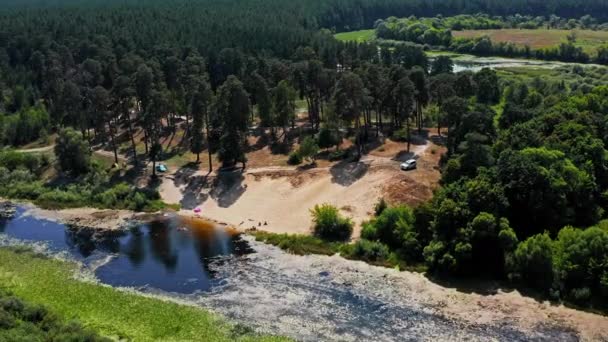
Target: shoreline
454	302
106	219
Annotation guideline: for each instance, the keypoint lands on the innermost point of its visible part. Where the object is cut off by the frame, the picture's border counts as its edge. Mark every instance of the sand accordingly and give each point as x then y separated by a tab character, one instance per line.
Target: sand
105	219
279	199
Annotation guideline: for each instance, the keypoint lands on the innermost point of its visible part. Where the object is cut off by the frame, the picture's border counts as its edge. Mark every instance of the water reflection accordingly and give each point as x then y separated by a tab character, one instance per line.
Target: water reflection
171	254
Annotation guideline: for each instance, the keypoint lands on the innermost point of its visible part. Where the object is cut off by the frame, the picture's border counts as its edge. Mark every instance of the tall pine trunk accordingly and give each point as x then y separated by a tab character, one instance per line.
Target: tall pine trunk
358	140
112	141
208	142
131	135
407	127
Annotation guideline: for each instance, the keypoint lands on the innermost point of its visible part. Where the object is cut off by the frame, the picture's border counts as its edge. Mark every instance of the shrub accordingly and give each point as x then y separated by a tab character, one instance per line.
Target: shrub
327	138
294	159
580	295
532	262
395	226
308	149
400	135
21	321
329	224
24	190
380	206
368	230
296	243
72	152
13	160
371	251
60	198
137	201
6	320
338	155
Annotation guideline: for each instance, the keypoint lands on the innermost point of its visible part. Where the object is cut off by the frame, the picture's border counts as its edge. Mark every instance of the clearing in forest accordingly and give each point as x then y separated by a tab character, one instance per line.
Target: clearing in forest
356	36
589	40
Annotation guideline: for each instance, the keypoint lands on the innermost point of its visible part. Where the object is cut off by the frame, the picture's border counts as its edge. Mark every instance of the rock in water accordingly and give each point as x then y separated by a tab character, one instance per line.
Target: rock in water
7	210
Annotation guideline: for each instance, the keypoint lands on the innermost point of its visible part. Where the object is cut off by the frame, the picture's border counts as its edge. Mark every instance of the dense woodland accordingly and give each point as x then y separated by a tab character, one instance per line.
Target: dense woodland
526	160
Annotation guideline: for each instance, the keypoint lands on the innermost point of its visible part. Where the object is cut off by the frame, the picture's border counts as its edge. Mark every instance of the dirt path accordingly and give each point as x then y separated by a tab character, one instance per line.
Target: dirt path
110	154
100	152
38	149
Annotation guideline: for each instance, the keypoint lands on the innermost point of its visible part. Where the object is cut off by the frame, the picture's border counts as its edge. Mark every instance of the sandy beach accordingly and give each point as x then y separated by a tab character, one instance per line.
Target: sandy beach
279	199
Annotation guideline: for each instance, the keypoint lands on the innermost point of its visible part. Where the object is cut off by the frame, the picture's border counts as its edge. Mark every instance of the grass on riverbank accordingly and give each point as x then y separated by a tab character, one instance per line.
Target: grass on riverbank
305	244
110	312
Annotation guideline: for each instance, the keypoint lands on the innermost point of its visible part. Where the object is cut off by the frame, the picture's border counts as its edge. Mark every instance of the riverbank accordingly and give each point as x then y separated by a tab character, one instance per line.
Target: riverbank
85	217
307	297
113	313
317	297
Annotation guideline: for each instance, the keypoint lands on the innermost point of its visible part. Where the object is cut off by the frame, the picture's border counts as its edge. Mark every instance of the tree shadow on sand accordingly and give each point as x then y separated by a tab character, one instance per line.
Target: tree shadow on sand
193	195
419	139
184	174
404	155
439	140
228	187
346	173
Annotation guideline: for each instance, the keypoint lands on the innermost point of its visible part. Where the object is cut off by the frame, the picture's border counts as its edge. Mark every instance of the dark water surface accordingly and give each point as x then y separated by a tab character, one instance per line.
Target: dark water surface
169	254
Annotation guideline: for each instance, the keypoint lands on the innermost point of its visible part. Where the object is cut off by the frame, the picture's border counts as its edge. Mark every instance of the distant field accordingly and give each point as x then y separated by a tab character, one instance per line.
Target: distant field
538	39
358	36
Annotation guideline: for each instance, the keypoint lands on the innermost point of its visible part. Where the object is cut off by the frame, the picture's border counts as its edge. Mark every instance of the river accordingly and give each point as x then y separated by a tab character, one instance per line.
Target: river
474	63
309	298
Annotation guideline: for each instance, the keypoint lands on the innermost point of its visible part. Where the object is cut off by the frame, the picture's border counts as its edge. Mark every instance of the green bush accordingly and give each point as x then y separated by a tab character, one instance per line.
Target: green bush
368	230
20	321
57	199
327	138
380	206
73	153
329	225
294	159
370	251
308	149
580	295
400	135
532	262
13	160
25	126
297	244
338	155
395	227
24	190
90	190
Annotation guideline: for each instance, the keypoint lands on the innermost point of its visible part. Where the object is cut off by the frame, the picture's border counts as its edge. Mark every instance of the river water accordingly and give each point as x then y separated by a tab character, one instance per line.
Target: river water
475	63
309	298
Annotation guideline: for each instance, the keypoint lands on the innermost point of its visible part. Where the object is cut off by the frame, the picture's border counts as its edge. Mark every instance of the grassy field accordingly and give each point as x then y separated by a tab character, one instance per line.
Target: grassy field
537	39
358	36
112	313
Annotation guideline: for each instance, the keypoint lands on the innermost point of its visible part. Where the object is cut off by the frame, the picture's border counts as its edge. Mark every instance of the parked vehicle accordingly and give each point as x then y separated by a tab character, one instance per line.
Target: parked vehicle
408	165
